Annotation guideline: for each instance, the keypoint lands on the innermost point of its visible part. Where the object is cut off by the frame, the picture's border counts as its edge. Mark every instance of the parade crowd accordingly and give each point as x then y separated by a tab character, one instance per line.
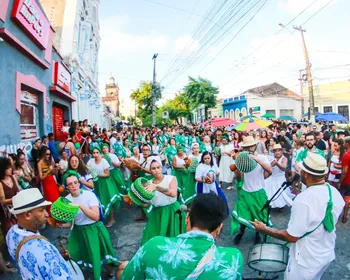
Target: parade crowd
187	169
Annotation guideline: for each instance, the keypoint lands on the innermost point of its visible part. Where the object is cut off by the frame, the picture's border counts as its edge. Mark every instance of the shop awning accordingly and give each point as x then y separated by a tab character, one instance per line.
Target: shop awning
62	93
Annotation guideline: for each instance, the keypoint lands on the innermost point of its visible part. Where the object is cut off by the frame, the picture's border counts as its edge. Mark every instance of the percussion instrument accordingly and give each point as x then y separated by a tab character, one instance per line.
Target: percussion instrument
77	273
245	163
268	257
233	167
93	172
62	210
187	161
193	165
210	178
138	193
131	164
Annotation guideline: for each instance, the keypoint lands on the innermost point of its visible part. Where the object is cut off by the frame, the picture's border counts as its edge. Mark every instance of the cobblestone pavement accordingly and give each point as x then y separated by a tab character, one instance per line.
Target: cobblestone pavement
126	235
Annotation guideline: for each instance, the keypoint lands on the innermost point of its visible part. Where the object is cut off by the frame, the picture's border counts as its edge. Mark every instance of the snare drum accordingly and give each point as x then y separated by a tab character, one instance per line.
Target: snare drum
77	273
268	257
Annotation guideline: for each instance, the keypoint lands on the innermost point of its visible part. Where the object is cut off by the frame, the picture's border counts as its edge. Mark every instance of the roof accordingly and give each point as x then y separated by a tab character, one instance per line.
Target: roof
273	89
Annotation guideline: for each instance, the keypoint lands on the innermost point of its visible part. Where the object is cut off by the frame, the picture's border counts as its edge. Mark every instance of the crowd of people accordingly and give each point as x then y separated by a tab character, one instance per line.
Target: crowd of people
192	166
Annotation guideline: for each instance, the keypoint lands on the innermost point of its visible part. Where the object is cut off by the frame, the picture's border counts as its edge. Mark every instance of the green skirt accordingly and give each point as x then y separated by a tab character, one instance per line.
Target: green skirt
162	221
108	194
118	179
181	177
90	246
248	208
189	188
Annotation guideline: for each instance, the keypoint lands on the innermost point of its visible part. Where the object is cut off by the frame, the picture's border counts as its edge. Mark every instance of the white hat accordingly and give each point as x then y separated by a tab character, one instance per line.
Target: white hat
314	164
277	147
248	142
27	200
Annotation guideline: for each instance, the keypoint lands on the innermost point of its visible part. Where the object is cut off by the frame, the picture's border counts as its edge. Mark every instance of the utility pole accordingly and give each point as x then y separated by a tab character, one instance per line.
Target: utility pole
154	88
308	75
302	79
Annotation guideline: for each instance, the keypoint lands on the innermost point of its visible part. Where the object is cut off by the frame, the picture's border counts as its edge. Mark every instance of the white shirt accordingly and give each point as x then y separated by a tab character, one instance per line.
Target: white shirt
254	180
63	164
308	210
114	159
201	171
100	168
86	178
88	199
161	199
111	144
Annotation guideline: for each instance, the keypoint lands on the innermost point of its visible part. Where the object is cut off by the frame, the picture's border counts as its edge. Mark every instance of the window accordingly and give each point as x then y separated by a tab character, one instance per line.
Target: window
273	112
232	114
226	113
244	112
327	109
344	110
287	112
237	115
29	116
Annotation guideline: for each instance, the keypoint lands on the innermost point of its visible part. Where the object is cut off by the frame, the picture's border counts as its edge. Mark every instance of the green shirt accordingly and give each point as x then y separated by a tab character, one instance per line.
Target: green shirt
303	154
163	258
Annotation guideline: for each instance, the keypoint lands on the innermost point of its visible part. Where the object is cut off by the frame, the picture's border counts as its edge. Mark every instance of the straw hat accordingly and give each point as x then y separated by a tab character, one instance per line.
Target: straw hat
314	164
248	141
277	147
27	200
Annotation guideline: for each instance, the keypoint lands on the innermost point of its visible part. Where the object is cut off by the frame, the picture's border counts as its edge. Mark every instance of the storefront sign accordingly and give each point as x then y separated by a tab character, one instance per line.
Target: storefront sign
28	14
62	77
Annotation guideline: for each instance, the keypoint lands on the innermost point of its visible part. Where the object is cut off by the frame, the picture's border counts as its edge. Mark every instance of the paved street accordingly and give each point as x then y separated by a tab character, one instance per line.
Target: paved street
126	235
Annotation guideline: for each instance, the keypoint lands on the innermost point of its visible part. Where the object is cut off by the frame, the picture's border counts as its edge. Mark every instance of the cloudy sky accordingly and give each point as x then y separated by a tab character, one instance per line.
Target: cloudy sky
261	53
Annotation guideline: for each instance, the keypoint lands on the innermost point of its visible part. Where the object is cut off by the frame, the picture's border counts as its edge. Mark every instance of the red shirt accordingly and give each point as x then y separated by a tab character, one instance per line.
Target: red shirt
346	162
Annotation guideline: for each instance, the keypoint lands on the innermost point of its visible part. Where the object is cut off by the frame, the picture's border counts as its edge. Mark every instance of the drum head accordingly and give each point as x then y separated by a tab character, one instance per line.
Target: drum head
268	257
77	273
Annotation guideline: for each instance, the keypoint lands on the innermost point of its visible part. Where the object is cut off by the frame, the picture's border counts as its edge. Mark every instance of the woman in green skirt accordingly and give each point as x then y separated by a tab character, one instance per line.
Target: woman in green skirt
180	171
114	170
163	219
105	189
89	243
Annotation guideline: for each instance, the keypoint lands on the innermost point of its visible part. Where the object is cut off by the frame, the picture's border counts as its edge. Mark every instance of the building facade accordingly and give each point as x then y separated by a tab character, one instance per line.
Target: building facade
272	98
78	39
35	92
333	97
112	97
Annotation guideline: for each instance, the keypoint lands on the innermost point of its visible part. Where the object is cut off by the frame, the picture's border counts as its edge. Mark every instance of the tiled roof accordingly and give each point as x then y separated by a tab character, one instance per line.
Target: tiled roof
273	89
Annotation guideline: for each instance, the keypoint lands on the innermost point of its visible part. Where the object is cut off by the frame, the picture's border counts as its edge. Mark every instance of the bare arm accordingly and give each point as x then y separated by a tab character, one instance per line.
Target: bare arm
343	174
279	234
105	174
92	212
89	184
172	191
282	165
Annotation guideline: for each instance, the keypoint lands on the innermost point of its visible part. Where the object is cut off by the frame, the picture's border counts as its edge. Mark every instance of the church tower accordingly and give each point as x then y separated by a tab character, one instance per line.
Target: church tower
112	96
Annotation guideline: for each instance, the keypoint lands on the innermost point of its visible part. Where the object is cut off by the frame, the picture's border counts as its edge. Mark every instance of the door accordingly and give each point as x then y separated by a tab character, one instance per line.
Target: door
57	121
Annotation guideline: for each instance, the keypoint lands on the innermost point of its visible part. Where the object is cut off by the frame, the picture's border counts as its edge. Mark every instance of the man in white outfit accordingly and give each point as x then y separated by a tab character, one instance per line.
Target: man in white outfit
311	228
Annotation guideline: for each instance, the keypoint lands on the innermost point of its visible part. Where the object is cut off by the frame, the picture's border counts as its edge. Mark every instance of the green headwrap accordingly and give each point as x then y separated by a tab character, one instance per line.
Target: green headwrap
68	174
225	136
97	148
104	145
180	148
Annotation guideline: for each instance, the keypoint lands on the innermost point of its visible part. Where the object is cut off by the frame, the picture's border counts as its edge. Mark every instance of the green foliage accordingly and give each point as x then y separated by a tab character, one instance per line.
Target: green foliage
200	91
177	107
143	98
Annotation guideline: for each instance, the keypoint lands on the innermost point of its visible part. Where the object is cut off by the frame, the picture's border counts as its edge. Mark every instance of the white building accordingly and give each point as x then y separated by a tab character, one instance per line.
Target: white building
77	38
273	98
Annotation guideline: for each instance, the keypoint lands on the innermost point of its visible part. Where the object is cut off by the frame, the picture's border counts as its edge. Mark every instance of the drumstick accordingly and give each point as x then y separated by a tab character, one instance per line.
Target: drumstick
70	261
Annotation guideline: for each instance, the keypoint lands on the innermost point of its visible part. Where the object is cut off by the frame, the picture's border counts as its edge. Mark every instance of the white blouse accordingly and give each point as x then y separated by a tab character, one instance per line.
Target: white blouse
161	199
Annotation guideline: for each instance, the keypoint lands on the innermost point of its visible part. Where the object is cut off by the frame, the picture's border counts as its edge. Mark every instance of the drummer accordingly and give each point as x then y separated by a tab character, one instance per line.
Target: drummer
252	196
162	218
311	228
29	206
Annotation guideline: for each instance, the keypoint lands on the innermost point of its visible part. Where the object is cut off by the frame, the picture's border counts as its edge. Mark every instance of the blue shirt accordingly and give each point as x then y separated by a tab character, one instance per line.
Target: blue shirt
38	259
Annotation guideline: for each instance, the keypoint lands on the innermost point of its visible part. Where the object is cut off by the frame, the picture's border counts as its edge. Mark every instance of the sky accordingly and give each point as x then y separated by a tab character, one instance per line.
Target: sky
263	52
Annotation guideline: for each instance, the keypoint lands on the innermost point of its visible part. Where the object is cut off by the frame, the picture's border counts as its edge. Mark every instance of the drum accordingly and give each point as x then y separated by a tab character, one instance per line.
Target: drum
77	273
268	257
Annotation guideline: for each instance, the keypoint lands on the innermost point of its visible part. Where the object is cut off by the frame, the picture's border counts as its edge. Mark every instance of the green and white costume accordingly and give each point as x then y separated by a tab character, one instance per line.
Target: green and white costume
189	191
192	255
251	198
162	220
182	176
116	174
105	189
89	243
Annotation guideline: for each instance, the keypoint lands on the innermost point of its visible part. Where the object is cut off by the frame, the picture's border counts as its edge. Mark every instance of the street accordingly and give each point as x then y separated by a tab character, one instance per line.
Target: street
126	236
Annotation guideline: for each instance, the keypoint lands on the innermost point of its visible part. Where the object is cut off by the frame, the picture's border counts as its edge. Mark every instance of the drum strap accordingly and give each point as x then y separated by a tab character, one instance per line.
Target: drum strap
24	240
201	266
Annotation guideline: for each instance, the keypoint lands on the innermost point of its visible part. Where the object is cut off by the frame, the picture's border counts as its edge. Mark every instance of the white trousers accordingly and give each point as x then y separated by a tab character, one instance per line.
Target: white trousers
296	271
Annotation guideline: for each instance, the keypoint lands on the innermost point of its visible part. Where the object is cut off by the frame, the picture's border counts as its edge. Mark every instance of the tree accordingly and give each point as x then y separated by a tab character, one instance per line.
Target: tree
200	91
177	107
143	98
